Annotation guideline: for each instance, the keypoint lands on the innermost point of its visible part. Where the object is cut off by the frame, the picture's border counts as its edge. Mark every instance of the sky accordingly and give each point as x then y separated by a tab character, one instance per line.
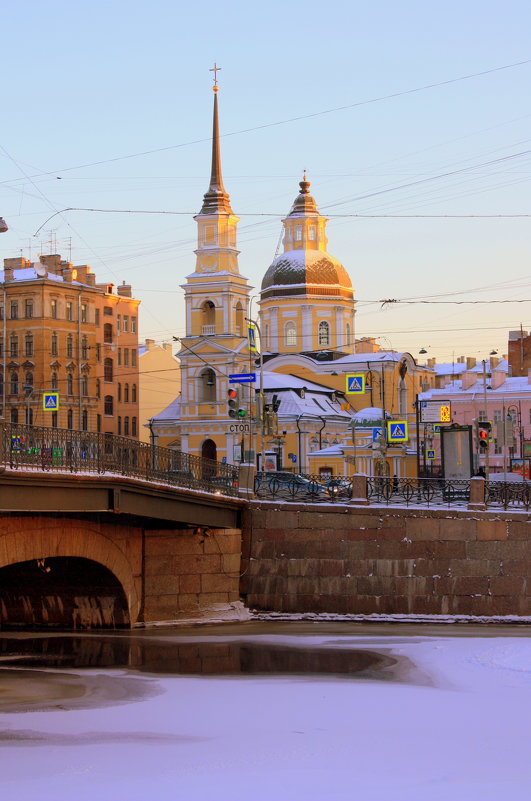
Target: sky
414	116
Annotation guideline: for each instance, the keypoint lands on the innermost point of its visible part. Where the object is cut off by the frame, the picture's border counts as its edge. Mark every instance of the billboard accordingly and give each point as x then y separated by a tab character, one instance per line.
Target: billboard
456	452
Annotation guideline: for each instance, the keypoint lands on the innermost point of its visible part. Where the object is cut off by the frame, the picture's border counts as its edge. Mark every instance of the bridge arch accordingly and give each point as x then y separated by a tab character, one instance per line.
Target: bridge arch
25	541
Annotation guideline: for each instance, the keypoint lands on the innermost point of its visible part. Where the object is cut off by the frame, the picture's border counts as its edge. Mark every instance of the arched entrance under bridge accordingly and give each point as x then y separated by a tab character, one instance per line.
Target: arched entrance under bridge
61	592
209	449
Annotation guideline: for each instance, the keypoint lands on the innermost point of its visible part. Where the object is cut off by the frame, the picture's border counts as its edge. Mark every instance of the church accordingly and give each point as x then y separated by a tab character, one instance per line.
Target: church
292	408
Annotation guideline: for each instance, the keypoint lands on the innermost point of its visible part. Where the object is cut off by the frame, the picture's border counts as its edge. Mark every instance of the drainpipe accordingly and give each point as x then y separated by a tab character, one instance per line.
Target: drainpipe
321	430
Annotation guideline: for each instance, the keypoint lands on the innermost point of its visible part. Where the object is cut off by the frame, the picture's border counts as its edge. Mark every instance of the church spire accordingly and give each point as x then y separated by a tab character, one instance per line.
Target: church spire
216	200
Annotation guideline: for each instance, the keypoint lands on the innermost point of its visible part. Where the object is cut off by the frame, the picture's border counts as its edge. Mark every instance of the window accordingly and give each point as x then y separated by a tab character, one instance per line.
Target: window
70	419
97	316
298	233
13	346
14	415
119	357
311	233
84	348
290	334
119	424
348	333
108	406
133	357
107	311
133	427
14	310
324	333
119	391
107	334
69	384
207	386
29	416
98	352
84	313
84	385
133	325
84	420
98	423
54	419
53	309
28	383
126	357
126	426
55	382
69	310
107	370
118	323
133	393
126	324
28	308
28	345
98	388
2	311
126	393
54	344
70	346
14	384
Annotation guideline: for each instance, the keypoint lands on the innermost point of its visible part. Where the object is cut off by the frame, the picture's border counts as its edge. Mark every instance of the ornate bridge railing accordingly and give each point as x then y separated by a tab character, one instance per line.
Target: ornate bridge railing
62	450
311	488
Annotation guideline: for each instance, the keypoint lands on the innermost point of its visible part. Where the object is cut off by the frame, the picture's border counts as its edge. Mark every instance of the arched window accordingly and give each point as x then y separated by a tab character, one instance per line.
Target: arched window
54	344
324	333
84	420
28	382
84	385
347	329
55	381
70	346
133	394
14	383
84	348
13	346
290	335
126	393
207	386
107	370
70	419
107	333
69	384
239	319
14	415
108	406
28	345
209	318
266	337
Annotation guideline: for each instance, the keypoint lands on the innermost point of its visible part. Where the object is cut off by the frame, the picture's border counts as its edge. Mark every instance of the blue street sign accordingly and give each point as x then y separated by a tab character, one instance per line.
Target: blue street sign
293	458
430	454
50	401
355	384
436	429
397	431
242	378
376	434
251	334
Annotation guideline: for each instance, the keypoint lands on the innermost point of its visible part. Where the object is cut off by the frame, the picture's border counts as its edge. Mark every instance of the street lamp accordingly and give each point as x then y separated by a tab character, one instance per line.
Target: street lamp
261	393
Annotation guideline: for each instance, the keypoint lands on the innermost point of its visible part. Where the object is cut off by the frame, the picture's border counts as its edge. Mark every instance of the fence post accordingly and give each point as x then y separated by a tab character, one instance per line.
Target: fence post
359	490
477	494
247	474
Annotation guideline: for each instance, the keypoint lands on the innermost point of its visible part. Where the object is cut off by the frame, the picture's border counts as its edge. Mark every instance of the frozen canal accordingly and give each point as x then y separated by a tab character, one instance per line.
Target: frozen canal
268	712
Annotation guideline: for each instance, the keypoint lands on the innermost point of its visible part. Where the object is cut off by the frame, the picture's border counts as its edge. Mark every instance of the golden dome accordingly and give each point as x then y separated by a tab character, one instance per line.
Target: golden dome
306	272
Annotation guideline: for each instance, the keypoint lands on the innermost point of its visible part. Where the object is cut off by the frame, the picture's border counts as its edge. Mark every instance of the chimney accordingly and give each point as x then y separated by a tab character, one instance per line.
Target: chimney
67	274
167	347
125	290
91	279
494	362
431	363
460	359
149	344
497	378
8	272
53	262
468	380
470	362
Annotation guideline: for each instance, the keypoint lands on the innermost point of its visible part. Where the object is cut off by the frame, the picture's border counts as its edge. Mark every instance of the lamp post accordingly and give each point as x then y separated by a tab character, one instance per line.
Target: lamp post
260	404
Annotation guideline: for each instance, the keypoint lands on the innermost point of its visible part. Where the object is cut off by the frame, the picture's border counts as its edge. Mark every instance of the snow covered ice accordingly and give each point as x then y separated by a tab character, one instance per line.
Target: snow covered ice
443	717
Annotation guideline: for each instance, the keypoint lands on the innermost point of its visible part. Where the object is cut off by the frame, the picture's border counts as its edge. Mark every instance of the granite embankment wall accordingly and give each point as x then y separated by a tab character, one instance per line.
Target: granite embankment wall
384	560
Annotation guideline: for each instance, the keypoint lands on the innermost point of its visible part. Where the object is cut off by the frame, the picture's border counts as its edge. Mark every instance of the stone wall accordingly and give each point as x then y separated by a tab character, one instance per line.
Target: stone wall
190	573
365	560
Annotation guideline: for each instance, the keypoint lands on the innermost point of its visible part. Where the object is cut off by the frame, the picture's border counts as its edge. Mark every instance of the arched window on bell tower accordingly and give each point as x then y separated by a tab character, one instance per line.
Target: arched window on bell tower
207	386
290	335
239	319
209	318
324	333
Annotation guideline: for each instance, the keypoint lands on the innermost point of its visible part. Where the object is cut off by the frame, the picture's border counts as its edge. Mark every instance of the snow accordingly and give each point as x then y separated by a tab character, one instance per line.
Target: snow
452	723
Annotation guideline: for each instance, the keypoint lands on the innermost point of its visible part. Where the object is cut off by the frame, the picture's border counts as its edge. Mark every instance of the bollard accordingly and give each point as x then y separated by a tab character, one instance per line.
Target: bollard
359	490
477	494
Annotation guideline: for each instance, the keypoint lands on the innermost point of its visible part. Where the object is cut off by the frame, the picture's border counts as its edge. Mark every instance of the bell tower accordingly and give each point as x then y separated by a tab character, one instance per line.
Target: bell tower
217	304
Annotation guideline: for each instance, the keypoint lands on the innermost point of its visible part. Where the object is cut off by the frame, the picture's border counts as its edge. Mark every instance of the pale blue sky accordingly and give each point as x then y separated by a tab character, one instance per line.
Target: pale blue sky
92	82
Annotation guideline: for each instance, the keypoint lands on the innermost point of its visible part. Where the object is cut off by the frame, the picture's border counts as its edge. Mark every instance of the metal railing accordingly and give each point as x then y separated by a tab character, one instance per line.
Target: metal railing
311	488
62	450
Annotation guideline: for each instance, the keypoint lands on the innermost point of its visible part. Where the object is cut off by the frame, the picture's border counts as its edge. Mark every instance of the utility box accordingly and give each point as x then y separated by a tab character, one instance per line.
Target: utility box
456	452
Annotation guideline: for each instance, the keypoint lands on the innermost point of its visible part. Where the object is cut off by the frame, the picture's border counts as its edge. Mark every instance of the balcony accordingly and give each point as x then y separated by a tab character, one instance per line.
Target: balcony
208	330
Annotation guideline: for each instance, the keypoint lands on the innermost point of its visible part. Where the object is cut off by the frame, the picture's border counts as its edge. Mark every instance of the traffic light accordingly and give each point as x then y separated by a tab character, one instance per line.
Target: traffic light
233	402
484	432
275	403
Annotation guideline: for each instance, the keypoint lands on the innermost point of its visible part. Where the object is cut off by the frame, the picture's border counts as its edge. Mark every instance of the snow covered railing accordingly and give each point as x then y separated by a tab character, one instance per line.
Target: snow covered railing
58	449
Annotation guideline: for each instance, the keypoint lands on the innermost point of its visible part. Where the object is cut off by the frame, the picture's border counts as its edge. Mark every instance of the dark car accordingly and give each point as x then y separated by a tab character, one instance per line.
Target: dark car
288	485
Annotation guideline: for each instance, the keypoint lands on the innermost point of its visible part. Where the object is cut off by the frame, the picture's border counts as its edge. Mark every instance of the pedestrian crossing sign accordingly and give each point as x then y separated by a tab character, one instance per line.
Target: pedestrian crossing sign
397	431
251	335
430	454
355	384
50	401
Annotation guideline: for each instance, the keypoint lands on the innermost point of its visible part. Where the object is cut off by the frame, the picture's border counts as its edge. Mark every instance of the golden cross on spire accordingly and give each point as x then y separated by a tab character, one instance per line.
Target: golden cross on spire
215	69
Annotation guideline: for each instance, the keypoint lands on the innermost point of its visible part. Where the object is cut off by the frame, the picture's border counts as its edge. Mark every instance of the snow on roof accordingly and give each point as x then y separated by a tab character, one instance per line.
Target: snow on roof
512	385
369	413
379	356
289	381
171	412
456	368
29	274
332	450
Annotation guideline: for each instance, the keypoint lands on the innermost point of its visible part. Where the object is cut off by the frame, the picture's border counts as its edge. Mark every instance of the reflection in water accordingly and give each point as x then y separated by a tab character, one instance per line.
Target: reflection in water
213	658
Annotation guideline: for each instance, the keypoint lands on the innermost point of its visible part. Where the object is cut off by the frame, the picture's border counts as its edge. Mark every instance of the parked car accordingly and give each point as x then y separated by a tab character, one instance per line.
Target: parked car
339	488
288	485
